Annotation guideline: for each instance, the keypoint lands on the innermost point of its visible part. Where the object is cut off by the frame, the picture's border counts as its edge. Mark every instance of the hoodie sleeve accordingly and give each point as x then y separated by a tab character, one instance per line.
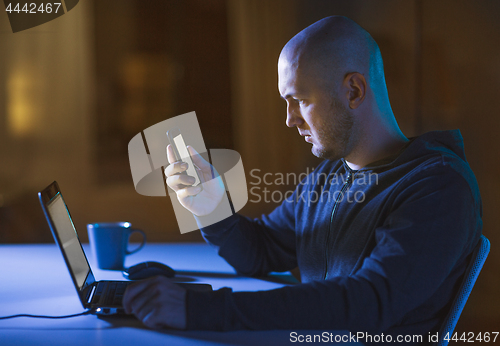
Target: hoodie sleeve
421	252
257	247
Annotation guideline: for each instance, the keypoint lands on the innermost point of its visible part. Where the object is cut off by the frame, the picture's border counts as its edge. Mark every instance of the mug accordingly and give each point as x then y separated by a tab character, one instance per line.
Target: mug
109	243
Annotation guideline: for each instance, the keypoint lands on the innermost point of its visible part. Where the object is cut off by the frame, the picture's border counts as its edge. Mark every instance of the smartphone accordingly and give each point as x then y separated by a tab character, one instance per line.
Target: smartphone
182	154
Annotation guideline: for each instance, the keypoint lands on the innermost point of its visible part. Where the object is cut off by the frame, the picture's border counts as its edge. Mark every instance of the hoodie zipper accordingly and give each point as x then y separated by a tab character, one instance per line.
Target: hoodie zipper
348	181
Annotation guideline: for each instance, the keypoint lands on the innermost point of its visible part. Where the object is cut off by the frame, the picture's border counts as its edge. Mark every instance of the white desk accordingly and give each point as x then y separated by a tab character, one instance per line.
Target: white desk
35	280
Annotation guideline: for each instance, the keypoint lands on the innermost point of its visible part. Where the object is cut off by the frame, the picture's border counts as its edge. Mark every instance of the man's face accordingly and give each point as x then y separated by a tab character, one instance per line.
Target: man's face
312	106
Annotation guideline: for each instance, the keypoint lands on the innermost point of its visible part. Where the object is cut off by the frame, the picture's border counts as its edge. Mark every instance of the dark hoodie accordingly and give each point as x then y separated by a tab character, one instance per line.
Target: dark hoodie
380	250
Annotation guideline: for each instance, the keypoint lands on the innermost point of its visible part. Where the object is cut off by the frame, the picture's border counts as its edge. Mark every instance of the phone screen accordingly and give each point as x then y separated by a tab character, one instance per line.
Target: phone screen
184	156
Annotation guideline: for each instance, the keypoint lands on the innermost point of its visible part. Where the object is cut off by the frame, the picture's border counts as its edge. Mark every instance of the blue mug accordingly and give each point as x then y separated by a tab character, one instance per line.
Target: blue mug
109	243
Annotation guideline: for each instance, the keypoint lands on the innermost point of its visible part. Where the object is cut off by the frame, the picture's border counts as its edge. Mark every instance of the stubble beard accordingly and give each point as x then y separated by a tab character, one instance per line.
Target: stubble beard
334	133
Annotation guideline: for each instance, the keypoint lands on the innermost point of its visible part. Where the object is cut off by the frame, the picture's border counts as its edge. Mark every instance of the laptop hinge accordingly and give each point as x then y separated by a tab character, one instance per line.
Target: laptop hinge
91	294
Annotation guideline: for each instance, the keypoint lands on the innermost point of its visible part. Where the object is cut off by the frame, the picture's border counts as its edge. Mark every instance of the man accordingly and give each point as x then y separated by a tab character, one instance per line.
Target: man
386	260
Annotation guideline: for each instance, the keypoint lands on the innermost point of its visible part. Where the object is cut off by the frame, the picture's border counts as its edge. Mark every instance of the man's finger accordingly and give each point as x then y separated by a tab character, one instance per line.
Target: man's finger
179	182
170	154
176	168
198	160
153	319
132	292
146	302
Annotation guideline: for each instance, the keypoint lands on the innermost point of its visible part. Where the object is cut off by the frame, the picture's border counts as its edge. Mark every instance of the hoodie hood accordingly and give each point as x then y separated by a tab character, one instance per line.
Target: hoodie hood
435	143
447	142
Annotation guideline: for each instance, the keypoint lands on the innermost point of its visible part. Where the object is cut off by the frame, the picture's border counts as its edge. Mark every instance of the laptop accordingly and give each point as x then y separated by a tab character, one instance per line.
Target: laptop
102	297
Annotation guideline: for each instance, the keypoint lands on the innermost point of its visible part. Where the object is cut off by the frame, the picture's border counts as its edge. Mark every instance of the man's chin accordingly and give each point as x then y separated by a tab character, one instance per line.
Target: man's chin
316	152
324	154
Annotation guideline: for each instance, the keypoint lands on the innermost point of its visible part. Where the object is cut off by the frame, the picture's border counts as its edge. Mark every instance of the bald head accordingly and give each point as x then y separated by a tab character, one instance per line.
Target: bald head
331	75
334	47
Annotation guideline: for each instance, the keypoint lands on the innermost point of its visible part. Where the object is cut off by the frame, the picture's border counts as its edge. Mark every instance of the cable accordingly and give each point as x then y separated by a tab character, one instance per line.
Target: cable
42	316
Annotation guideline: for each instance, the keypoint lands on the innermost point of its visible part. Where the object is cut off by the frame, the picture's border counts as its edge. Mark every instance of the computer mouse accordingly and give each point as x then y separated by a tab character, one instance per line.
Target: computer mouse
145	270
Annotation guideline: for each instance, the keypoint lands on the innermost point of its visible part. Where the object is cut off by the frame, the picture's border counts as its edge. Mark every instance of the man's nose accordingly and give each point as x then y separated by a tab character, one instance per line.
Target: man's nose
293	117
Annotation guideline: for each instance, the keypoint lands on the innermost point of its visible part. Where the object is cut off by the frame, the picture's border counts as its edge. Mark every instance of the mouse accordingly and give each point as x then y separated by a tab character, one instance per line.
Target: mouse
145	270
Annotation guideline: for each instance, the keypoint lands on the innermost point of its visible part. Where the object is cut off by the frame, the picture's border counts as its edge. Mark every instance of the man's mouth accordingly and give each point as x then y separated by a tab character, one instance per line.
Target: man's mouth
307	137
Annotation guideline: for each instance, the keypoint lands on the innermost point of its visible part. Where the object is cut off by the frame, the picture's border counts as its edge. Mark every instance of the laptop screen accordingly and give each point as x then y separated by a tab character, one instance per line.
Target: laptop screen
68	239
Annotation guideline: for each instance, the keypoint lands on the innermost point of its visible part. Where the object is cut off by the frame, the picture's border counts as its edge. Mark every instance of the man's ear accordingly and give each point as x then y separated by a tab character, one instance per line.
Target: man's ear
355	83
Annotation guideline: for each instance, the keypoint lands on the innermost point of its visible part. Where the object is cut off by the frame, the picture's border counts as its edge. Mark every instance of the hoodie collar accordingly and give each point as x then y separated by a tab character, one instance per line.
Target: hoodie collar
429	143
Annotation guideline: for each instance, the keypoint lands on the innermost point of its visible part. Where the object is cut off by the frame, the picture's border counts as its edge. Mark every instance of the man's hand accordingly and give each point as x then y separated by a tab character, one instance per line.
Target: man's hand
157	302
195	199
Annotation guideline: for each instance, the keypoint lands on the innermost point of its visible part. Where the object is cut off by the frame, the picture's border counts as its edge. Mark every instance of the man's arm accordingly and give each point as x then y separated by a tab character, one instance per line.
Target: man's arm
257	247
420	253
252	247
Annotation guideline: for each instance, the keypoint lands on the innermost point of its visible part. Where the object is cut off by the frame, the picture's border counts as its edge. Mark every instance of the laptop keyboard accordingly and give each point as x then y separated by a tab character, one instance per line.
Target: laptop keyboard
113	292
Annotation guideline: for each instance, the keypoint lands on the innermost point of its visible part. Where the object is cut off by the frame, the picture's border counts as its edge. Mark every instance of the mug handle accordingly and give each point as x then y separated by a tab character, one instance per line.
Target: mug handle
127	251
